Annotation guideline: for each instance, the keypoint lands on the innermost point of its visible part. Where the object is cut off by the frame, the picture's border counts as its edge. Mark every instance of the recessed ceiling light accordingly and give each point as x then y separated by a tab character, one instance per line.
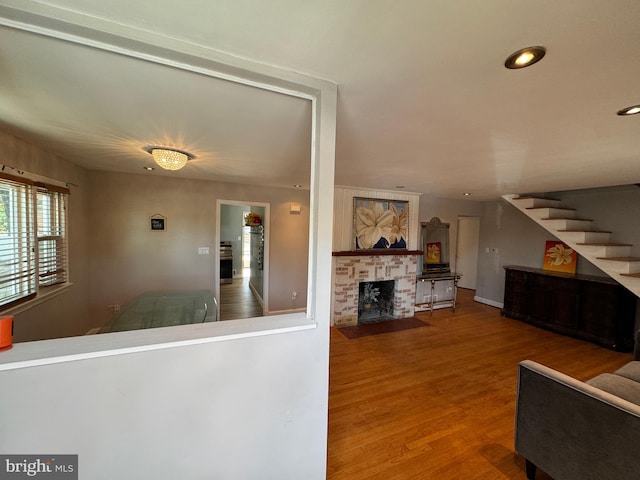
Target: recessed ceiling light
525	57
466	194
630	110
149	168
399	186
297	185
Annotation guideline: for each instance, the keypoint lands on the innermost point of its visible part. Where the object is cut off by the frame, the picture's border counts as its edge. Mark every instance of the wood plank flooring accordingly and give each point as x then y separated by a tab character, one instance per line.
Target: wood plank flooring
439	402
237	300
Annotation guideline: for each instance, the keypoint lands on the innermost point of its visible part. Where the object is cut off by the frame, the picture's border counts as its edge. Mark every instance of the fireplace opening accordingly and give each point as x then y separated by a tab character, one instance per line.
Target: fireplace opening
375	301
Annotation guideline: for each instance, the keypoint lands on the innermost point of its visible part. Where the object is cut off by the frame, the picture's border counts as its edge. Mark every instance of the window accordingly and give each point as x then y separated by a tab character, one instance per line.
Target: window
33	242
52	243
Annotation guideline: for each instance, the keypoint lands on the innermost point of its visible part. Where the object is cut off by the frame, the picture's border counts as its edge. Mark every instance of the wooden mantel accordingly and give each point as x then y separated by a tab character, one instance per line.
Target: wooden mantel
379	251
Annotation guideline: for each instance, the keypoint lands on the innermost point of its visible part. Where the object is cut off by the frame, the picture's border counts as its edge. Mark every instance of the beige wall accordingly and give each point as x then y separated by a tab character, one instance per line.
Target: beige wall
67	314
129	259
288	252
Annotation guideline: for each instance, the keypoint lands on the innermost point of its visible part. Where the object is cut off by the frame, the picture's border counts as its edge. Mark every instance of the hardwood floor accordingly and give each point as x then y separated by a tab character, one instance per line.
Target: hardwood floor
238	301
439	402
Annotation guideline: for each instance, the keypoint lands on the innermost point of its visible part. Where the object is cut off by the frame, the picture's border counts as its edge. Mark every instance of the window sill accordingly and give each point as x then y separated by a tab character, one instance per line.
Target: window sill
50	292
60	350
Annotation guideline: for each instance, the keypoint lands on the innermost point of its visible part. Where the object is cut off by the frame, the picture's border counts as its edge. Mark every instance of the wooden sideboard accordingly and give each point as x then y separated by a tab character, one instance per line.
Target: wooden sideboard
597	309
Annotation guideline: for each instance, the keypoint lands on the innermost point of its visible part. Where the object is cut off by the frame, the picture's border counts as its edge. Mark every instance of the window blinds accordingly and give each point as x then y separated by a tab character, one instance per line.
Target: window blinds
33	241
17	252
52	241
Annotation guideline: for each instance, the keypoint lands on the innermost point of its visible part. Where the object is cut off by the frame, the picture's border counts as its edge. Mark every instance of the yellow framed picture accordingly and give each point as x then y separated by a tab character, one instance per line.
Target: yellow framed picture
559	257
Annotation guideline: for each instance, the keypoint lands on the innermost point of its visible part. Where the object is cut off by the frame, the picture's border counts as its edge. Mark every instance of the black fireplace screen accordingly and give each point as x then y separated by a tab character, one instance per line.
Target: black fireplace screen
375	301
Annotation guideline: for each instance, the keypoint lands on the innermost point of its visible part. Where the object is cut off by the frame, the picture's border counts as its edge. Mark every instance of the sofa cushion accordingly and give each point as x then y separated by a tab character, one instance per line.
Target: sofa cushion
630	370
617	385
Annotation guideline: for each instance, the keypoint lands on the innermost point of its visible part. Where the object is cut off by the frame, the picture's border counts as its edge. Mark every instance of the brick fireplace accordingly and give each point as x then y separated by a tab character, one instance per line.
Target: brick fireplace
354	267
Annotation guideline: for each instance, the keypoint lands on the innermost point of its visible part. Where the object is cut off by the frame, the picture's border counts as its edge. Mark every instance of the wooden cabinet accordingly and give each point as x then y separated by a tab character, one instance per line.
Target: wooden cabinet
597	309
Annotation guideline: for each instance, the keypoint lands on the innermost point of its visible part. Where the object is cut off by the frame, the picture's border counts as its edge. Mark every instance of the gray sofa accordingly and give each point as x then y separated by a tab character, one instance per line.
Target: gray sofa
579	430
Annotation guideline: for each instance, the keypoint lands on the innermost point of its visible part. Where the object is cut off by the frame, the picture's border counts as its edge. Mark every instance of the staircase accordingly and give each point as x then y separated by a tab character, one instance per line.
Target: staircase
580	234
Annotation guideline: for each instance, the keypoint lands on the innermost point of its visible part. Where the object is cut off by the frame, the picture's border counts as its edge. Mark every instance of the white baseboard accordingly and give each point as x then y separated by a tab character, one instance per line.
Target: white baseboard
486	301
286	312
257	295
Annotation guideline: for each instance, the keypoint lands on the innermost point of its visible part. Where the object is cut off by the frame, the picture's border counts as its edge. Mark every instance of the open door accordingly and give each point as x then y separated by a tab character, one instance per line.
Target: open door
467	251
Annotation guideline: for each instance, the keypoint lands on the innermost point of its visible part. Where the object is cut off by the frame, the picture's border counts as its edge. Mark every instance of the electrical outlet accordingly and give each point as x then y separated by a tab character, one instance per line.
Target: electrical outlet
294	295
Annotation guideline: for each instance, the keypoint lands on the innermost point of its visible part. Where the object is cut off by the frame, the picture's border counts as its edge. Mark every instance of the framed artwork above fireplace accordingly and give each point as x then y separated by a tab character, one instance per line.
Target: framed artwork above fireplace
379	223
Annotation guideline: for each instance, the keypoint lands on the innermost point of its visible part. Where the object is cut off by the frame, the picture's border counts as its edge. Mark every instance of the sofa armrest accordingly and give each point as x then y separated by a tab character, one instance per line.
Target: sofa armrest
572	430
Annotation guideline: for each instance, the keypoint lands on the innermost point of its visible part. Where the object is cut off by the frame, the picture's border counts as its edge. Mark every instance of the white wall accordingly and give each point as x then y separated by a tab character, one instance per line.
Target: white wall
251	408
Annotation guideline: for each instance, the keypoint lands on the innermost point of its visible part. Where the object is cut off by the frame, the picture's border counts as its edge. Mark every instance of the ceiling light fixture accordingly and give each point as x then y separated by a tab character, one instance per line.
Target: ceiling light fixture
525	57
629	110
169	158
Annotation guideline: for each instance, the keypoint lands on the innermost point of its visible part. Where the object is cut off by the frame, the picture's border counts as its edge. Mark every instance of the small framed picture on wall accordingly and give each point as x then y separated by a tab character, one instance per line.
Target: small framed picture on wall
158	223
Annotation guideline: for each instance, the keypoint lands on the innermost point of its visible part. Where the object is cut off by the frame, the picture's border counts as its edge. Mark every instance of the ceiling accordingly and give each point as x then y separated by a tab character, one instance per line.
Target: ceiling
424	100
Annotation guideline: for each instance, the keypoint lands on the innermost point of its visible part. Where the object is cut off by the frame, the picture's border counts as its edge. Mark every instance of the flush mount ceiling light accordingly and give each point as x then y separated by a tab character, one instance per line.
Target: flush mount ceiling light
630	110
524	57
169	158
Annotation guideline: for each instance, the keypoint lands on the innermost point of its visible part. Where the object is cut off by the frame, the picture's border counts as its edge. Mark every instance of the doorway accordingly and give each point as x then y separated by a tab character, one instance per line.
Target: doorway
467	251
246	295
